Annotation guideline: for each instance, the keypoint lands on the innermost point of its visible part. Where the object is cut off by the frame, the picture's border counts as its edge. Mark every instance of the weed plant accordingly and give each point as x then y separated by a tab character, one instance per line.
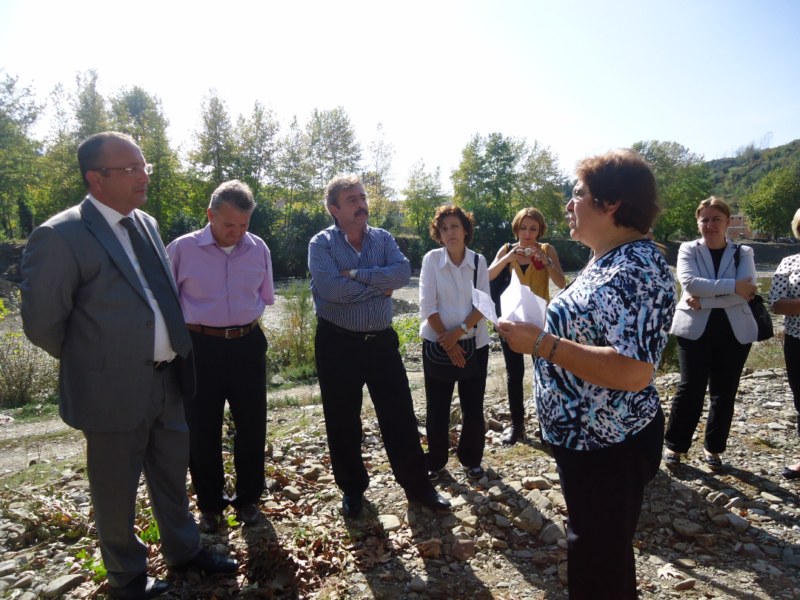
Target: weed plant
291	347
28	375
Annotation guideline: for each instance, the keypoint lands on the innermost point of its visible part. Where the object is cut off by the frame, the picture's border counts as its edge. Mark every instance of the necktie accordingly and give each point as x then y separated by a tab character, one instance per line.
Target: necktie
161	288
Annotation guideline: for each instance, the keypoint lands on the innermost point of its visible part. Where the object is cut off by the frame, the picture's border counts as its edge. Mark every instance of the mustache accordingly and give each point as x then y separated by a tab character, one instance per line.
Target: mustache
362	211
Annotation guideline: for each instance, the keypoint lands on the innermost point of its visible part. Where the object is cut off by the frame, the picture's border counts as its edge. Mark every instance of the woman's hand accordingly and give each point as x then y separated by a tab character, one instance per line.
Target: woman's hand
746	288
519	336
449	341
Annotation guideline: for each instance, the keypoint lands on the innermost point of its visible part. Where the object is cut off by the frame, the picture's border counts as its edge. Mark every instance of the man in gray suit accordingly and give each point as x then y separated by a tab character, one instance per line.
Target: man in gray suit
93	297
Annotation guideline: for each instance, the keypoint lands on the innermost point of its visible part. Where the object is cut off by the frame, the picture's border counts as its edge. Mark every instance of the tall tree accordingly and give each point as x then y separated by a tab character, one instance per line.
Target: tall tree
141	115
332	145
19	158
423	195
770	206
486	183
91	114
214	157
256	140
683	181
541	185
293	173
384	212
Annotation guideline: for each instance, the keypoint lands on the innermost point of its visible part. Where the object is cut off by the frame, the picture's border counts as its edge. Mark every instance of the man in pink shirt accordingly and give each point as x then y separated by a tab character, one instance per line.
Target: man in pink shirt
224	279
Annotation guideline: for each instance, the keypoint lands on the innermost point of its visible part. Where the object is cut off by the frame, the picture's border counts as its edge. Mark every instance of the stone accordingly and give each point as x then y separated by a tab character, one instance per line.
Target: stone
61	585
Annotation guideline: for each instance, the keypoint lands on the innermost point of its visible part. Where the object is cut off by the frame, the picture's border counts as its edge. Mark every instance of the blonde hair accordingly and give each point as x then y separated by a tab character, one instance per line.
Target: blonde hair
796	224
529	213
714	202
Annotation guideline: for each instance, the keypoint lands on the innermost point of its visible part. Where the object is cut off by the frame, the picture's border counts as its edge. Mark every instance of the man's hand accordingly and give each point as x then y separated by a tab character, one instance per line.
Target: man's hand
694	303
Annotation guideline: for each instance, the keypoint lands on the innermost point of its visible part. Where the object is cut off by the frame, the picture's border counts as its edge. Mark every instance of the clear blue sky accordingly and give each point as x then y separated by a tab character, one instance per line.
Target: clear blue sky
578	76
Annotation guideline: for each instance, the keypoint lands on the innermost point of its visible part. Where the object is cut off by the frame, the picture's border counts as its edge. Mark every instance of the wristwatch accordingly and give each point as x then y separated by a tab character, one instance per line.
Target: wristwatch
353	273
465	328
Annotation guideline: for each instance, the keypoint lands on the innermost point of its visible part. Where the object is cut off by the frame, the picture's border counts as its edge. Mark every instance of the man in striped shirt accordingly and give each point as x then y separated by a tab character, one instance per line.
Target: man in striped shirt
354	270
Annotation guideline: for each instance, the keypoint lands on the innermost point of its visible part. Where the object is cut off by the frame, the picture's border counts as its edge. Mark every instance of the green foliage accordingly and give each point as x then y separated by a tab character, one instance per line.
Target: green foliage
407	328
291	347
423	195
27	374
734	178
683	181
18	155
770	206
3	310
90	563
500	175
148	527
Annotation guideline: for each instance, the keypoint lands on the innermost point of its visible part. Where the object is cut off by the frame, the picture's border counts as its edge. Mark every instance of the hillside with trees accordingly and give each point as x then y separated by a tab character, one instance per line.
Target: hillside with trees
287	164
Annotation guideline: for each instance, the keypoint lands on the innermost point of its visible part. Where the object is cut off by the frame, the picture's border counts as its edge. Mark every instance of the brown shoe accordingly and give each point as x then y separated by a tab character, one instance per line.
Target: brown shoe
209	522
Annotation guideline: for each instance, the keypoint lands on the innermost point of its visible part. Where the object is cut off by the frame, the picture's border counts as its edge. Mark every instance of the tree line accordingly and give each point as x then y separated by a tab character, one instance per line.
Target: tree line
287	166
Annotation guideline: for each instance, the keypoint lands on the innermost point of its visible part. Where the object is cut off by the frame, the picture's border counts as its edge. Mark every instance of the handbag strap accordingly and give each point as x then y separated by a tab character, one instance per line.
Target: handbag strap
475	274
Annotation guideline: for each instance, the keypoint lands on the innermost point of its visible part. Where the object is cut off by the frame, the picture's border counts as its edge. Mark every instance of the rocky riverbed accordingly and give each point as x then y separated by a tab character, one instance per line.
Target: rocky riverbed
734	534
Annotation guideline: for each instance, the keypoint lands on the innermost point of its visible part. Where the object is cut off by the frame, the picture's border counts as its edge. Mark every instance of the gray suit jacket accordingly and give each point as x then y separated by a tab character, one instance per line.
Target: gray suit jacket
697	278
83	303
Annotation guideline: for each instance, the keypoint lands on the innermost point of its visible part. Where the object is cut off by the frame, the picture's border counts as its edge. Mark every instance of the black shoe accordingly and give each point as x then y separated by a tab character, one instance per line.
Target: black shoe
248	514
790	473
209	522
352	505
140	588
514	435
432	500
210	563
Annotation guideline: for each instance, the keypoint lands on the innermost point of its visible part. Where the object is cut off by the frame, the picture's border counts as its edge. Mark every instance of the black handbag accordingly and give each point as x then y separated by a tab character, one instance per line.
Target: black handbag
759	310
436	362
499	284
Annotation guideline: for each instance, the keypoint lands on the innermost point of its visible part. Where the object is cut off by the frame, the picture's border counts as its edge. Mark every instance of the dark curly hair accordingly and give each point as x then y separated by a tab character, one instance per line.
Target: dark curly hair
622	176
451	210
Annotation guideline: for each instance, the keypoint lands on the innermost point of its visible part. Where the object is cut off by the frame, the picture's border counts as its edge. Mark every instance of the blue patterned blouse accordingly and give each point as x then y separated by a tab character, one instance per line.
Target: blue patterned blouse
624	300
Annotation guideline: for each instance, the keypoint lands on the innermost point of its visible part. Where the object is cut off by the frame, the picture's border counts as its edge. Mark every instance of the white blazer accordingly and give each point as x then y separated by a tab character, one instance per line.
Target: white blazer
697	278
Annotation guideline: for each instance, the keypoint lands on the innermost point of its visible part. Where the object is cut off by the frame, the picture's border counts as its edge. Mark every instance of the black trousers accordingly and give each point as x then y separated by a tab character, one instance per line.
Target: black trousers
439	395
515	372
345	363
791	353
716	360
234	370
603	490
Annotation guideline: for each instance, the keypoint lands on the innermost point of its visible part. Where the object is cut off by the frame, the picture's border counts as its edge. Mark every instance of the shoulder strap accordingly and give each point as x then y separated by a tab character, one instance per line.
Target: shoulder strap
475	274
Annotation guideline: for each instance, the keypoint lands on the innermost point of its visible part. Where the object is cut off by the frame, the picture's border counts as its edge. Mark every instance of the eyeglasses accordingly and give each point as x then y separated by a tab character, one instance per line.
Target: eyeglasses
576	196
710	220
130	171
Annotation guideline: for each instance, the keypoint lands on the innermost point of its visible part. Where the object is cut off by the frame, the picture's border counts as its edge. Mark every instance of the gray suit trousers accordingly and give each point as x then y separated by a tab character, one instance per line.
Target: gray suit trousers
159	447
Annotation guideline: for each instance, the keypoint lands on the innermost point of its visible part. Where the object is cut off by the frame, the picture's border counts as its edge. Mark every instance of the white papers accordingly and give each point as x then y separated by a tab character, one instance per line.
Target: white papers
519	303
484	303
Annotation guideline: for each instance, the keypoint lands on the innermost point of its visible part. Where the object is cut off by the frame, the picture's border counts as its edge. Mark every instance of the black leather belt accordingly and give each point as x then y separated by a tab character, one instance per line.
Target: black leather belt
364	336
229	333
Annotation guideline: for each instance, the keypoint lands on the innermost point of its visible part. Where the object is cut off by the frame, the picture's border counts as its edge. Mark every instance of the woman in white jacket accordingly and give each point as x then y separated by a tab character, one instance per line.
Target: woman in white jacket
715	330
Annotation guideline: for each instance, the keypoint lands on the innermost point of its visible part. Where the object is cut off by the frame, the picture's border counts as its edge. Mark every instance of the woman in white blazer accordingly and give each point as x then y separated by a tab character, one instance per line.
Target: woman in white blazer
715	329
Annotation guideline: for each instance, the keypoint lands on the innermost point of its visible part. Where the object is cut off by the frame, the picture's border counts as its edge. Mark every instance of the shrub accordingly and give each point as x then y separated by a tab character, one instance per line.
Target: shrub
27	374
291	348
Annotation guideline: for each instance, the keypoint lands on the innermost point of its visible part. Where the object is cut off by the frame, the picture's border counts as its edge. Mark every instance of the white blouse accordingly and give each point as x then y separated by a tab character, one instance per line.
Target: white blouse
446	289
786	284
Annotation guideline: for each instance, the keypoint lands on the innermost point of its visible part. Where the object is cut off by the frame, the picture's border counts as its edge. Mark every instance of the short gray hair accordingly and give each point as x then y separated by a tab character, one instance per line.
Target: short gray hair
233	192
337	184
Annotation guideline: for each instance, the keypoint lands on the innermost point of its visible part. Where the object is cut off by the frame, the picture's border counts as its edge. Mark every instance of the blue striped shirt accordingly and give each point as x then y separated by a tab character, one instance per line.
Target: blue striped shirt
359	304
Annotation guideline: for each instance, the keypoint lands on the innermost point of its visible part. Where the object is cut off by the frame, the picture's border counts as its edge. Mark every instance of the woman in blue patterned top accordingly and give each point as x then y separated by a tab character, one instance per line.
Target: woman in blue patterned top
595	367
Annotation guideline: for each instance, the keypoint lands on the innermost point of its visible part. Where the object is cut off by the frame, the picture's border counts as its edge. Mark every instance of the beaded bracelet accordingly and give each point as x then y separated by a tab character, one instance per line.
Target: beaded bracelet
538	343
556	342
